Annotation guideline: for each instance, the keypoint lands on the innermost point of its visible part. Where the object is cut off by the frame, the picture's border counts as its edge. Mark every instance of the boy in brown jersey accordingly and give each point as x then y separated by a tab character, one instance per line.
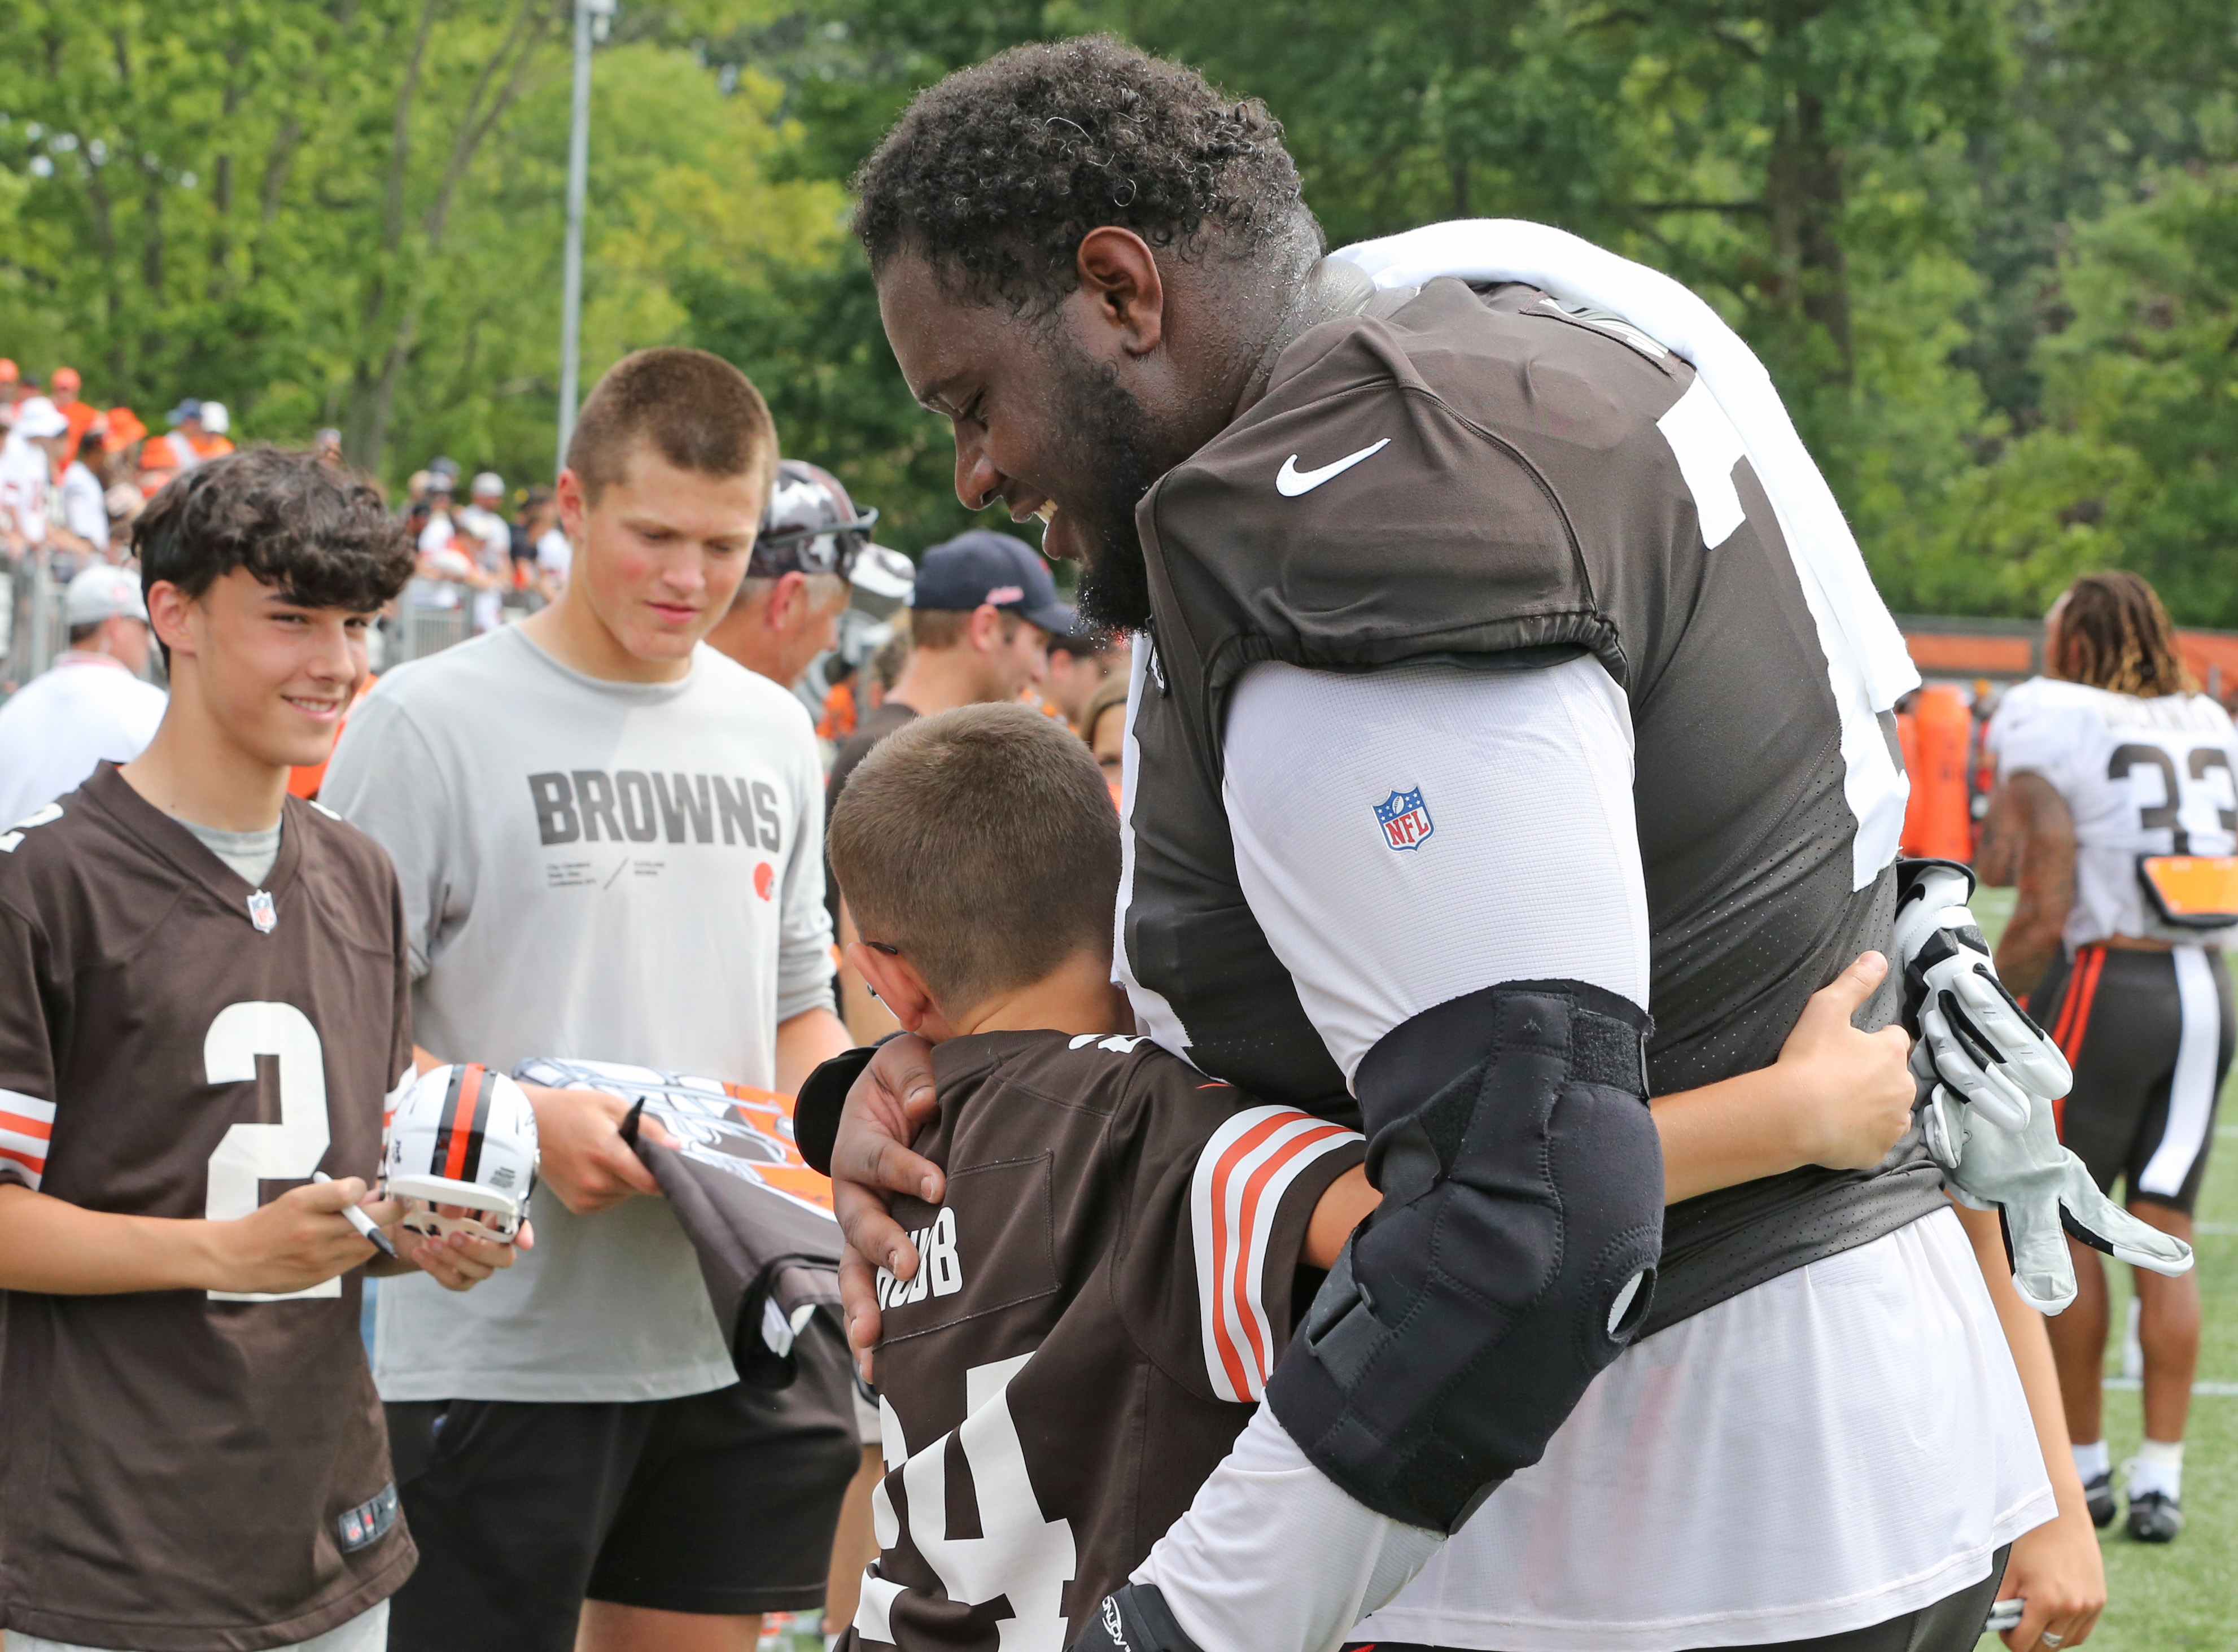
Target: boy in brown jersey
202	1006
1109	1278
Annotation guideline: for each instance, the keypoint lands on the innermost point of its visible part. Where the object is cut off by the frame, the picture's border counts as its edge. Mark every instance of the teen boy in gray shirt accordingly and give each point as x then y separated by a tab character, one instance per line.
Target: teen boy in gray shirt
610	840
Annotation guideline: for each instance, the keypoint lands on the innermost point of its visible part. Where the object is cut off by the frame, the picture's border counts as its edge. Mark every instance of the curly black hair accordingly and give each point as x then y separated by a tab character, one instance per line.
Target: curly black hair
318	534
997	172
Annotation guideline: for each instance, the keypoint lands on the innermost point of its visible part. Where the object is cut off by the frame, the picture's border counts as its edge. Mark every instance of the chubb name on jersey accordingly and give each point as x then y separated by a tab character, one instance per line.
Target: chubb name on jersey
939	1272
630	806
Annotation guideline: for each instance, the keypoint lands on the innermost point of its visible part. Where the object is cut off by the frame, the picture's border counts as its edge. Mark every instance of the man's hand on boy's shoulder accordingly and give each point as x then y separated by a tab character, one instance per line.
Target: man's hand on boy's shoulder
580	1152
890	1100
871	1161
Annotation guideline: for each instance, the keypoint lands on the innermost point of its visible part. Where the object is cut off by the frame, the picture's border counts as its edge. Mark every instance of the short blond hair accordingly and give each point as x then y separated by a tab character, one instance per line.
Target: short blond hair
982	845
694	409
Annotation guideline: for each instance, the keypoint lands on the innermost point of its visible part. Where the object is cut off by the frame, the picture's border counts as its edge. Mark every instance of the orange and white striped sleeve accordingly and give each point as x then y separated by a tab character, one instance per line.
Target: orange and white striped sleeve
1252	1163
26	1126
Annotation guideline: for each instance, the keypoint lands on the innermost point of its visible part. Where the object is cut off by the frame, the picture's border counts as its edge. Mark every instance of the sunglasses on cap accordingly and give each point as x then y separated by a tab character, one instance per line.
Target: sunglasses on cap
830	548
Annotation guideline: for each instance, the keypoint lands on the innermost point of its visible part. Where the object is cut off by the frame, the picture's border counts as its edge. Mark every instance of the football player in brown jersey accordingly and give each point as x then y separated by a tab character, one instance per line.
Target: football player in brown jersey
1506	662
202	1006
1137	1312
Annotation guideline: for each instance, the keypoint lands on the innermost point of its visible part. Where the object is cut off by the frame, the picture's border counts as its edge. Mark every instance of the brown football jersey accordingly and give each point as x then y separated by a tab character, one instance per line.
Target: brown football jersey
184	1471
1100	1299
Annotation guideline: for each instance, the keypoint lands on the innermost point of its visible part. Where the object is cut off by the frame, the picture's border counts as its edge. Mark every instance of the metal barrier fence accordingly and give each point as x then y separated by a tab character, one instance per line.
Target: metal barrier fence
32	629
414	630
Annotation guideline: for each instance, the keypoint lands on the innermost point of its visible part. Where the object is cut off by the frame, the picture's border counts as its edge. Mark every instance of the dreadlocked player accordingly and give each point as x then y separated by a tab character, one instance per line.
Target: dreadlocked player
2110	767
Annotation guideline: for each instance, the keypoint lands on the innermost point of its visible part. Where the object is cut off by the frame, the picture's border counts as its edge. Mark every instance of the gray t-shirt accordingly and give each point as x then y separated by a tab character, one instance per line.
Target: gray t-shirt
249	854
613	872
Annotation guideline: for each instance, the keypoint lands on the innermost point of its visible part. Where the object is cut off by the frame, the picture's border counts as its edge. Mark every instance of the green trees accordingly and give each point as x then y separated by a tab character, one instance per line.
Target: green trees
1889	198
2136	459
1985	246
347	212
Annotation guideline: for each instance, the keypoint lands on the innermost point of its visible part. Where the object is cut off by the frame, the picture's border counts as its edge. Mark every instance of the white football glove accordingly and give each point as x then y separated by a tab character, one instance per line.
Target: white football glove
1973	1035
2043	1193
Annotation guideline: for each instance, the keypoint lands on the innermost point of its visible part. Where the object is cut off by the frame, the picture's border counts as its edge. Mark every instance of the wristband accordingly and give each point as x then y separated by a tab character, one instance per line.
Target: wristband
823	1096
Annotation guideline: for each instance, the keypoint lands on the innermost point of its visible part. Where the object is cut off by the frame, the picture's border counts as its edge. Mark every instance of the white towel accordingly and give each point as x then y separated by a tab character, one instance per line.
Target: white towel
1867	665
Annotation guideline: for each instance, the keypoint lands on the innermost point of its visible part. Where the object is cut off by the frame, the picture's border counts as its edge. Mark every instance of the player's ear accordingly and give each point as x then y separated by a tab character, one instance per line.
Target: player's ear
170	615
574	504
1119	278
896	981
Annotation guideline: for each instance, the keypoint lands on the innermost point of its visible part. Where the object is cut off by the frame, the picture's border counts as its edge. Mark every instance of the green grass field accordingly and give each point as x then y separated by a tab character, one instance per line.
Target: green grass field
2183	1597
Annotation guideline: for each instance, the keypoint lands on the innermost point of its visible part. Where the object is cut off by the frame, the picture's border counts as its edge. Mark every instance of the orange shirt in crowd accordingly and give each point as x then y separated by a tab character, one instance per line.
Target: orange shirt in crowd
839	714
82	416
178	452
305	782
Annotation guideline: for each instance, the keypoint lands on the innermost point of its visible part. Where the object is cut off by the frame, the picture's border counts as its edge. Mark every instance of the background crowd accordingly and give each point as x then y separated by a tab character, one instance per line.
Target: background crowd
74	475
1984	246
1988	249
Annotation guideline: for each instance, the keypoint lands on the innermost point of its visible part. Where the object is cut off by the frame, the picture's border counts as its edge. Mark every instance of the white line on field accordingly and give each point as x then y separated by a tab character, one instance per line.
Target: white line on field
2212	1391
2224	1228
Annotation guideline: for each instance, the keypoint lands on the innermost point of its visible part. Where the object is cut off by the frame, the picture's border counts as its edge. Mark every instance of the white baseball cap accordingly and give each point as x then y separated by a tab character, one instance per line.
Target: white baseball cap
214	418
488	485
102	592
37	417
883	573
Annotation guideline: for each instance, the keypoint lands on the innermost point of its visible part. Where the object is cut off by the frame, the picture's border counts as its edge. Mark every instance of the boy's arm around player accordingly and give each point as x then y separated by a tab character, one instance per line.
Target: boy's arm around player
1079	998
1836	1096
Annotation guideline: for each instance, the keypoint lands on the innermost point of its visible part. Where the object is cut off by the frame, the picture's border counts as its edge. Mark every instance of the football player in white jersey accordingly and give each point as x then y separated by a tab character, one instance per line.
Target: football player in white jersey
2116	813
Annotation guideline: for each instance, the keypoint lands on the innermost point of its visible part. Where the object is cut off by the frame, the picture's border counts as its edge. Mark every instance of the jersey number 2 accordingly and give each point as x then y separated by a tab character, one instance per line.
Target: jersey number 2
286	1151
2166	815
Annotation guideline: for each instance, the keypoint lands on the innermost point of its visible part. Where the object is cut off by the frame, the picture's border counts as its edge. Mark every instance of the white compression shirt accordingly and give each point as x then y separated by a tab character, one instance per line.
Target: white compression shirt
1707	1439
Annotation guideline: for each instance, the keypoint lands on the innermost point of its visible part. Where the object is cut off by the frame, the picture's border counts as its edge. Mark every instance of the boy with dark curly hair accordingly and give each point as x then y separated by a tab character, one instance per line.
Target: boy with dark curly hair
203	1008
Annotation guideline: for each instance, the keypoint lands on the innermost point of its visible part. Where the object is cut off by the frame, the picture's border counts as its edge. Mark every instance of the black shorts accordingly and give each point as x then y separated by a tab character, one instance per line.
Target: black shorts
2150	1036
1951	1624
722	1503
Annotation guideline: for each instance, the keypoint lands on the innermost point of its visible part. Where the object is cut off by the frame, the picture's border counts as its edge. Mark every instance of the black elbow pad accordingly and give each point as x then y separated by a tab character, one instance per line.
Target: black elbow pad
1512	1258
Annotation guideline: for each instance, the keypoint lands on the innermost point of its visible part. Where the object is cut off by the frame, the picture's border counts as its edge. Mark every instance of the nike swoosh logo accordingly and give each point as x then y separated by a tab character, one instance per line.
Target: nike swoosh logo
1292	481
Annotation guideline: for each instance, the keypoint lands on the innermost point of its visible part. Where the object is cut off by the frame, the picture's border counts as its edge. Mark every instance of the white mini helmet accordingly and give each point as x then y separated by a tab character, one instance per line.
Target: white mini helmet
463	1137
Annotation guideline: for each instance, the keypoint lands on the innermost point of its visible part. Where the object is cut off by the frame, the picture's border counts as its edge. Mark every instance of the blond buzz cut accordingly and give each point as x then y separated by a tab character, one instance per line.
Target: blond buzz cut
982	845
694	409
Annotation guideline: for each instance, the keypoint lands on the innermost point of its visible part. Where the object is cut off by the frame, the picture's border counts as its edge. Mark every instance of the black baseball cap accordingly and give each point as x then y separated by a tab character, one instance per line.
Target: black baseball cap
981	567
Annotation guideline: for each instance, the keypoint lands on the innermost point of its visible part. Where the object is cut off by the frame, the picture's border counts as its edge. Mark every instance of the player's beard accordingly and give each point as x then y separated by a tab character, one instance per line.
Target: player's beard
1111	447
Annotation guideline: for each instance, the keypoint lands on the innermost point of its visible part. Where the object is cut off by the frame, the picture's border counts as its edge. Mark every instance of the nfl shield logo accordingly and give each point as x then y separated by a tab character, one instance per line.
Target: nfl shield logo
263	912
1405	821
